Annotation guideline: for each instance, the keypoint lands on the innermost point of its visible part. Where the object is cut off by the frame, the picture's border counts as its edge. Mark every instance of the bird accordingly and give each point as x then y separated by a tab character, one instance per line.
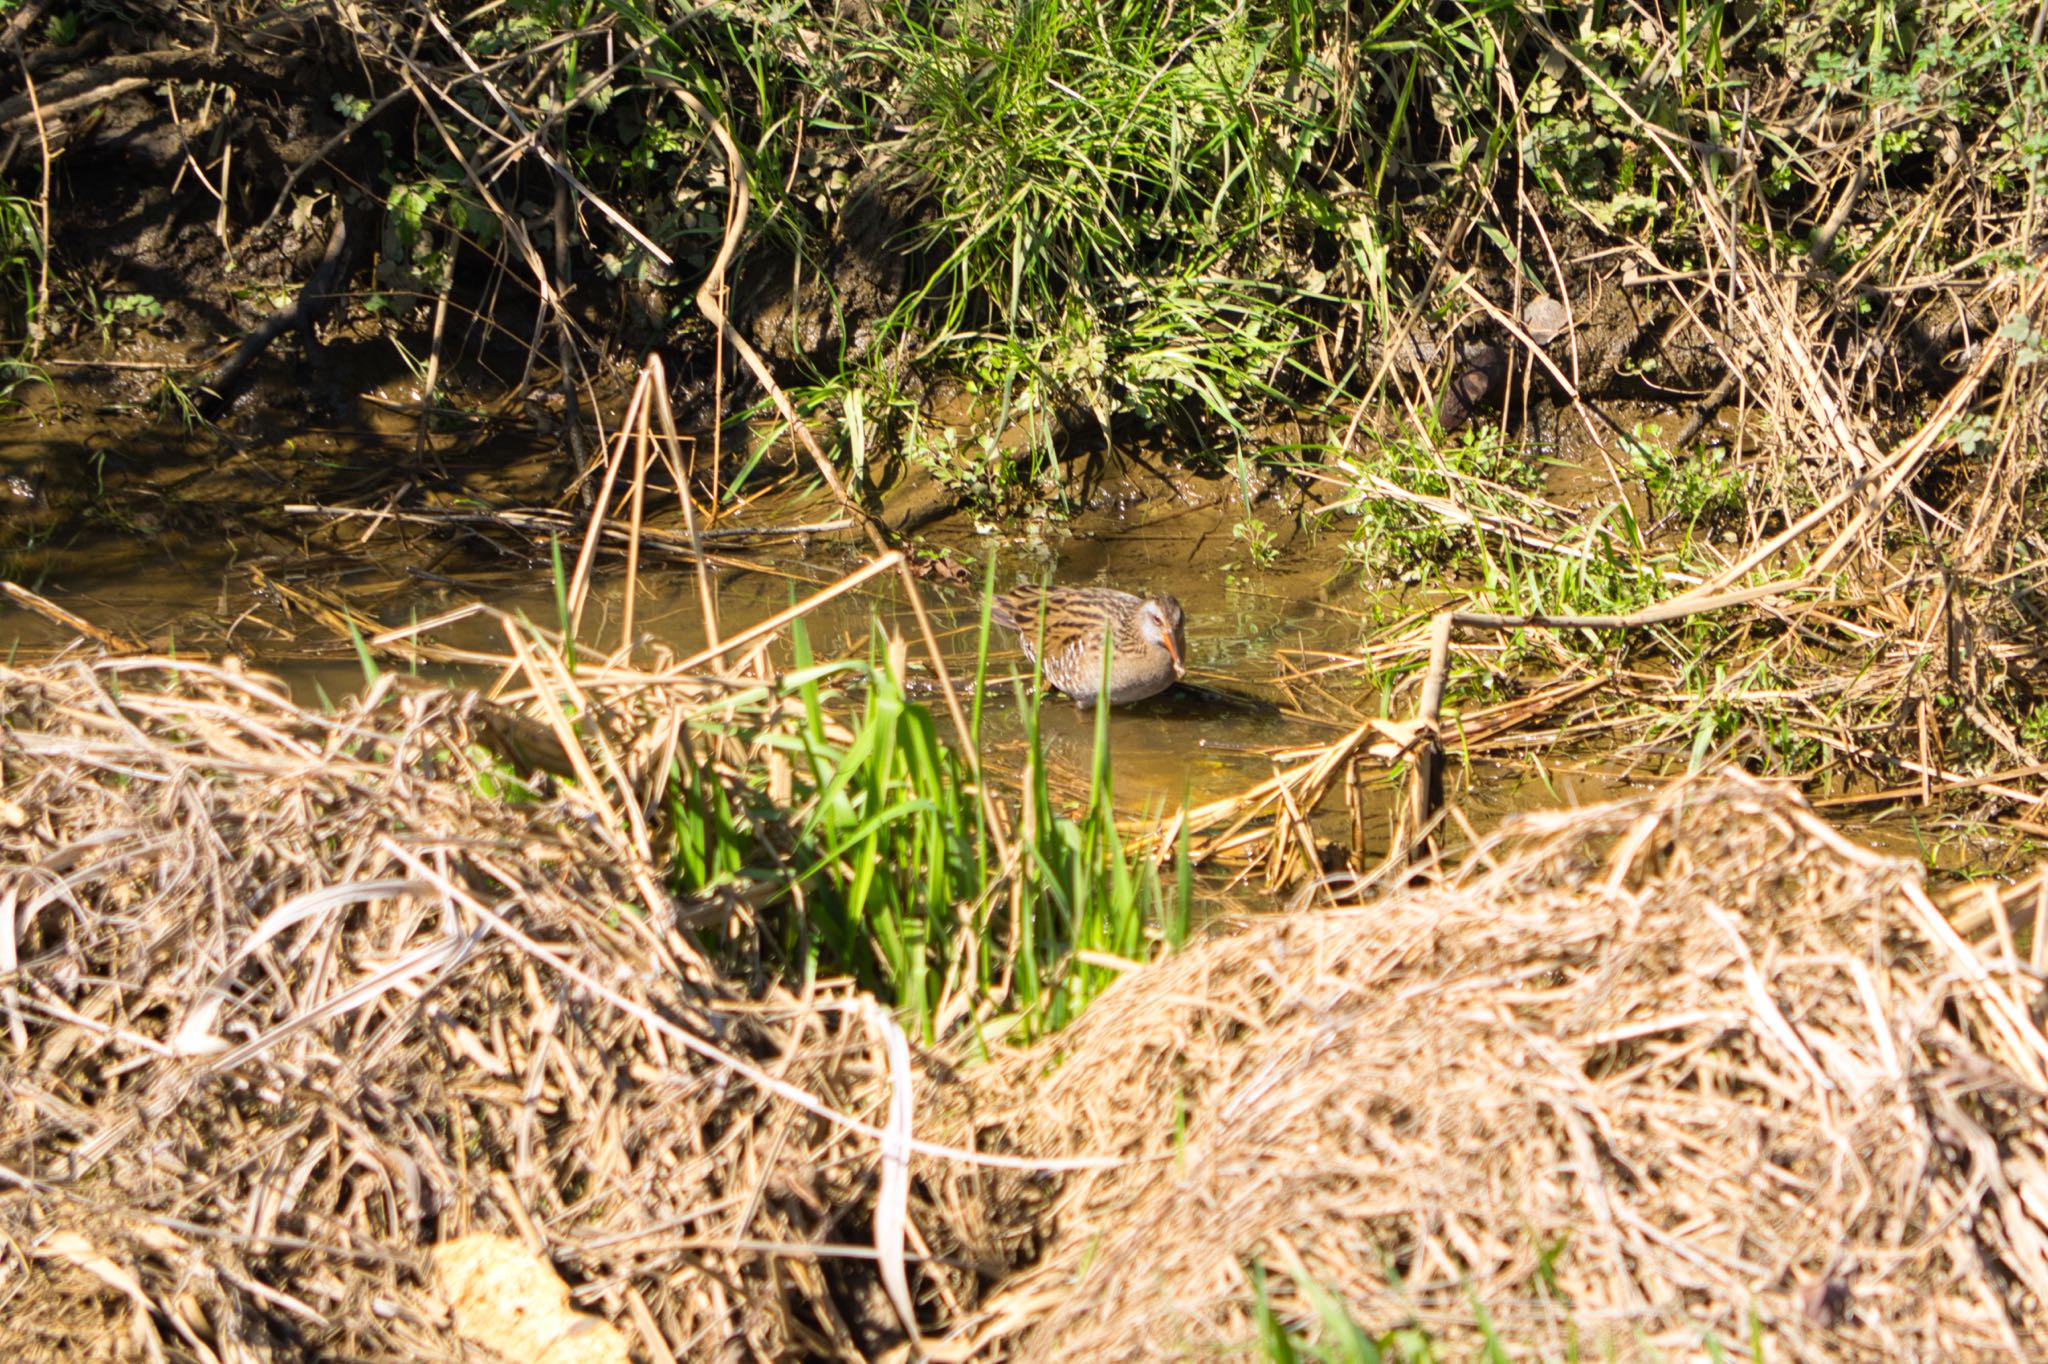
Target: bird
1146	638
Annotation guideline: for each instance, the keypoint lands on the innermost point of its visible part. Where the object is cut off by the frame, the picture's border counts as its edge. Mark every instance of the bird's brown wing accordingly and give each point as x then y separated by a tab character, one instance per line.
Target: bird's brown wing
1017	609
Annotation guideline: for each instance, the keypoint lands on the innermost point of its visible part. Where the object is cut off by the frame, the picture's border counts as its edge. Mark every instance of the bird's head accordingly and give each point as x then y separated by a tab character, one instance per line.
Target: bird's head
1162	623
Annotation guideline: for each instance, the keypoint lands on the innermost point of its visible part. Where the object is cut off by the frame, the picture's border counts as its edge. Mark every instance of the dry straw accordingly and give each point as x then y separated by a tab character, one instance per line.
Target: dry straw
1642	1076
288	999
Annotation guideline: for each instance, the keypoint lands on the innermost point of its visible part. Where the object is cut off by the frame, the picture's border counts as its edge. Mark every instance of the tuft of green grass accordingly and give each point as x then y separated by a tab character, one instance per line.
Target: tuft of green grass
1698	492
1411	538
1098	170
23	255
880	864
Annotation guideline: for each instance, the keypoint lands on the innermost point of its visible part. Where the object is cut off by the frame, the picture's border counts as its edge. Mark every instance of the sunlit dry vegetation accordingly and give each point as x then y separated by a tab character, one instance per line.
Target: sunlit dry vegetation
1664	381
309	995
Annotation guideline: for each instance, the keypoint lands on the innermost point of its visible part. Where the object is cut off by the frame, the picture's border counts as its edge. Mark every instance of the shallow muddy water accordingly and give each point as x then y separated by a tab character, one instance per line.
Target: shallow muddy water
1263	628
1183	743
1201	743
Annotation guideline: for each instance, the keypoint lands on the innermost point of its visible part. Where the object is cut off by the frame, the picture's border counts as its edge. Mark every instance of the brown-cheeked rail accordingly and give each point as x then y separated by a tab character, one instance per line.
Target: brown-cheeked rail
1145	636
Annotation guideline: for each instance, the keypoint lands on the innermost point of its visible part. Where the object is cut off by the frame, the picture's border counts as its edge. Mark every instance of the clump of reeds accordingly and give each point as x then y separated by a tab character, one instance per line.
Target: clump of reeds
1681	1075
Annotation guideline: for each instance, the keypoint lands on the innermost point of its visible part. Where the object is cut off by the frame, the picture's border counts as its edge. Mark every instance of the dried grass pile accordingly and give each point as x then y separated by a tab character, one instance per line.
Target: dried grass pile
290	1000
1642	1075
287	1000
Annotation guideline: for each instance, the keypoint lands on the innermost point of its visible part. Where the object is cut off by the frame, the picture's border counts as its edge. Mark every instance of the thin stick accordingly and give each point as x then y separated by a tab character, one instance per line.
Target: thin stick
1425	783
675	446
579	580
50	611
35	319
1425	778
636	501
1677	608
775	622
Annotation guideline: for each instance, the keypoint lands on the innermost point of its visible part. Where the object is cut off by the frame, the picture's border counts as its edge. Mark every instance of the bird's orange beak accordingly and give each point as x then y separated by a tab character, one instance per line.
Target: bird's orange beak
1173	652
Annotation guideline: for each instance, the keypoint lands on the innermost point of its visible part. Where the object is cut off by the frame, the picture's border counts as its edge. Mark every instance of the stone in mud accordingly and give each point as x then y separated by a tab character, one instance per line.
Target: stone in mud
802	310
1545	319
1481	374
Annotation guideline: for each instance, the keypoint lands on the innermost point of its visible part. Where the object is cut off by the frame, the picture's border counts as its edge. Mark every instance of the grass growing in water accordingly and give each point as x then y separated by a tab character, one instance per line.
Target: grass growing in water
864	849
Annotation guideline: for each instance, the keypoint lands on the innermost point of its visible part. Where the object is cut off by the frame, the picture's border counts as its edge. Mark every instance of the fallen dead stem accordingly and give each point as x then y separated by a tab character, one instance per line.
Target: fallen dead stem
540	525
1918	655
1266	826
1669	1069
